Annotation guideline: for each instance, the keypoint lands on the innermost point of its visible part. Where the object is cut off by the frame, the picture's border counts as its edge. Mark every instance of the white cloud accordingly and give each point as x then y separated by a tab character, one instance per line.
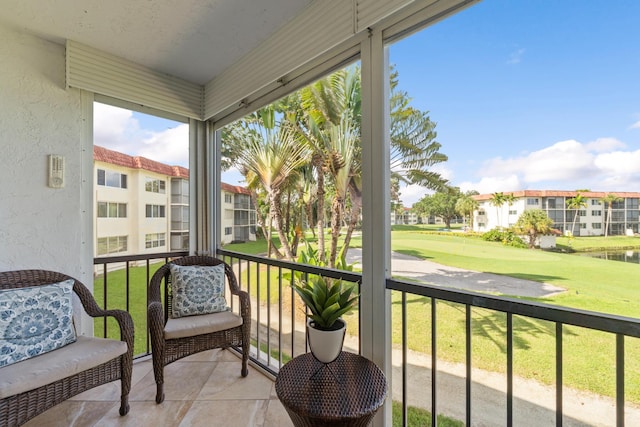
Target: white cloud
113	127
118	129
602	145
170	146
636	125
619	163
410	194
564	160
600	165
492	184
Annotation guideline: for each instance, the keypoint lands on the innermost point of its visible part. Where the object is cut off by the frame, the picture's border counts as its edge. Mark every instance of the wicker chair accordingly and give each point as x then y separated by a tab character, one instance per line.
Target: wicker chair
18	408
168	350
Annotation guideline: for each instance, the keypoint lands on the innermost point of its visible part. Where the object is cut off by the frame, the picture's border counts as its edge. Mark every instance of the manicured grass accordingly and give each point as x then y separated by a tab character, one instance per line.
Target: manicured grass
598	243
116	298
420	417
592	284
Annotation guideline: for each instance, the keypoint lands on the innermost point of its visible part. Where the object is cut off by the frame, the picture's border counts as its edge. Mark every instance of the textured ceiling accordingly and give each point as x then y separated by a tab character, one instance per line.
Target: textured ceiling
192	39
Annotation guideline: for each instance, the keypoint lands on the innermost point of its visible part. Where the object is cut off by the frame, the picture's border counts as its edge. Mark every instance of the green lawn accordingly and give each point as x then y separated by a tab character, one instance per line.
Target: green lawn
592	284
116	298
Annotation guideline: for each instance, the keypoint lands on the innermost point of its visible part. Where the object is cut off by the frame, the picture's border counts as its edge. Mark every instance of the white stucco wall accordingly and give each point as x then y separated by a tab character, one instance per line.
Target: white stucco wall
42	227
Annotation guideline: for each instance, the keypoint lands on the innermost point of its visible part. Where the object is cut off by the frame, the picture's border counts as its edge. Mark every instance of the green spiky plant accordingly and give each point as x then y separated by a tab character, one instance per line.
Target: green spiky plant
327	299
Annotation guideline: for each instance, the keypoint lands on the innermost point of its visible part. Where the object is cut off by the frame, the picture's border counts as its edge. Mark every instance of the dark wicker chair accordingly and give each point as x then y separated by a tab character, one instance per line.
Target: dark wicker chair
18	409
165	351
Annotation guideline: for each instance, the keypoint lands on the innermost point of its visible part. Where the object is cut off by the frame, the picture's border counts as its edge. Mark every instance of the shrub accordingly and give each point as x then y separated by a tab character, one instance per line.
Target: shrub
507	237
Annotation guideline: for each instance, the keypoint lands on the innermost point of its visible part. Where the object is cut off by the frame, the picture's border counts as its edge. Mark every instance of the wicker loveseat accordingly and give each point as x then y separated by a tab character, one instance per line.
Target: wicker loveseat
175	338
30	387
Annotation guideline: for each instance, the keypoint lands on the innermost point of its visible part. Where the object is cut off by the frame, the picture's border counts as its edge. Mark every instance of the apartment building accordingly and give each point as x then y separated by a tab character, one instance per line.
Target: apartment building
590	221
142	206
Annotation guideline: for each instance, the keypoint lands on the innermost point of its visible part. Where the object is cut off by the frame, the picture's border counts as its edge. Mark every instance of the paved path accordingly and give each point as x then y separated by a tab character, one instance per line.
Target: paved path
429	272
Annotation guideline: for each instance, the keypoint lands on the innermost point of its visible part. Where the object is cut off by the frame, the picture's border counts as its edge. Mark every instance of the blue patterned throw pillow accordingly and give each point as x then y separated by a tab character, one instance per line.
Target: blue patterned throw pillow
197	290
35	320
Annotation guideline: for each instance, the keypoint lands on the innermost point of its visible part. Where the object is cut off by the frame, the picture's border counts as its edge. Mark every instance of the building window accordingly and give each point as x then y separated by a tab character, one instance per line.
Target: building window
582	213
180	241
180	191
155	211
481	213
633	216
513	212
596	213
154	240
111	245
155	185
555	202
228	198
596	225
481	225
531	201
228	231
617	216
633	202
583	225
112	179
112	210
596	202
179	218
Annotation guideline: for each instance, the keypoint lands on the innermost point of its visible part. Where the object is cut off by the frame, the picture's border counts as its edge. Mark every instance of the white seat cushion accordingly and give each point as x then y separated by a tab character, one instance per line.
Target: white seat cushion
202	324
55	365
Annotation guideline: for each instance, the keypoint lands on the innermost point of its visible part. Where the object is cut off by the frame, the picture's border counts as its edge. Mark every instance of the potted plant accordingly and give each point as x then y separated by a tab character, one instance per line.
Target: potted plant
328	300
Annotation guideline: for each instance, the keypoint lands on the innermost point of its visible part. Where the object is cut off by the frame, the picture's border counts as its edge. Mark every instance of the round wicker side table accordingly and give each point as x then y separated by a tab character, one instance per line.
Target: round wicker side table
345	392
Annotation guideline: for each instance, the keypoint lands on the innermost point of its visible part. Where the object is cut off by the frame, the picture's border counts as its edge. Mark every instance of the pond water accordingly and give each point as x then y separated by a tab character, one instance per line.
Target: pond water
617	255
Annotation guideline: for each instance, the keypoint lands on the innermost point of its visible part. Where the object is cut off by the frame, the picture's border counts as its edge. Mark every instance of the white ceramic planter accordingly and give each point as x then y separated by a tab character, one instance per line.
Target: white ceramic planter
326	345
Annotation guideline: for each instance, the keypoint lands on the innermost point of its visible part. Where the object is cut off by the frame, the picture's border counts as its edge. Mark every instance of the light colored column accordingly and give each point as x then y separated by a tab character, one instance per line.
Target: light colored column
375	303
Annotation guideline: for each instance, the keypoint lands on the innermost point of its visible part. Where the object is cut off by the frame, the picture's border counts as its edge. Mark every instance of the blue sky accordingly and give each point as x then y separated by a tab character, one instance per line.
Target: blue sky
526	94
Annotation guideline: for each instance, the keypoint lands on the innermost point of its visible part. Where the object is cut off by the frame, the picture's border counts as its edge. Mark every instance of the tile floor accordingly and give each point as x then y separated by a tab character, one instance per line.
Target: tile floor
205	389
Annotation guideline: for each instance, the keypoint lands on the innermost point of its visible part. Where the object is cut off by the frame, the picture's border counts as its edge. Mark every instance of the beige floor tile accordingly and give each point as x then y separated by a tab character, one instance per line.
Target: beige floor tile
227	413
206	356
182	381
73	414
277	416
226	383
142	414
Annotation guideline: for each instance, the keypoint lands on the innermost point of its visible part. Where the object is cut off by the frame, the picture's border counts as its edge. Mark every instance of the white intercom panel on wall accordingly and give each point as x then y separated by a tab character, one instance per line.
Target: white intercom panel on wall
56	171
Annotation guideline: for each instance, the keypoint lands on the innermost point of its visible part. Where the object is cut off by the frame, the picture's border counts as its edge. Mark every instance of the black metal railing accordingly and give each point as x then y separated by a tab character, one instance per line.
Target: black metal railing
618	326
278	327
121	282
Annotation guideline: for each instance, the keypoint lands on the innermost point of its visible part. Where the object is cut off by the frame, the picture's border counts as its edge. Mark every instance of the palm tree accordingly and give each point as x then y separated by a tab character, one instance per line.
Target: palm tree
273	154
497	200
330	124
609	199
576	203
465	206
533	223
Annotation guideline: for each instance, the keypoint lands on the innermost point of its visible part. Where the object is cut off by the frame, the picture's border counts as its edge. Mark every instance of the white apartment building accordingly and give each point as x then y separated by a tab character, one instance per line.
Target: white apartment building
142	206
238	214
591	220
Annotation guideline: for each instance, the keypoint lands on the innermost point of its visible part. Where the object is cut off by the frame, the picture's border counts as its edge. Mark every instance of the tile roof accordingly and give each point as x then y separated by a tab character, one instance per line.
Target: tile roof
560	193
105	155
101	154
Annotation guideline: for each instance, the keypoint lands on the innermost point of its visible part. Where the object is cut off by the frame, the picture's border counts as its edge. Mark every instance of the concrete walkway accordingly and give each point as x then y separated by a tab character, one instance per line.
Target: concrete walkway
452	277
534	403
